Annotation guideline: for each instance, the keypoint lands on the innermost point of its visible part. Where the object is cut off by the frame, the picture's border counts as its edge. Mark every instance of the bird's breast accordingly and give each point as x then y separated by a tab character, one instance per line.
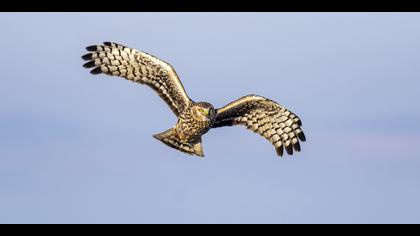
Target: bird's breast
190	128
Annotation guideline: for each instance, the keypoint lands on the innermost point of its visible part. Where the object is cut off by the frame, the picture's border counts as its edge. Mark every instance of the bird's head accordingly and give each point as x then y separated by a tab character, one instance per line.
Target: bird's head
204	111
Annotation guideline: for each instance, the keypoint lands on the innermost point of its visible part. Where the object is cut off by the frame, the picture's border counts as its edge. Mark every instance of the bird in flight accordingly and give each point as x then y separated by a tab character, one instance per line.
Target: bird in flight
269	119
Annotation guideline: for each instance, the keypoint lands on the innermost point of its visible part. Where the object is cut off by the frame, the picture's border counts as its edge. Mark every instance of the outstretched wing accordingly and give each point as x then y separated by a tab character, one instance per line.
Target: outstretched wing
140	67
265	117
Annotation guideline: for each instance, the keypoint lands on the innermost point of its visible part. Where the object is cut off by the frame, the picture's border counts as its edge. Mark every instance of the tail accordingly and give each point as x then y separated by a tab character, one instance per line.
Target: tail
170	138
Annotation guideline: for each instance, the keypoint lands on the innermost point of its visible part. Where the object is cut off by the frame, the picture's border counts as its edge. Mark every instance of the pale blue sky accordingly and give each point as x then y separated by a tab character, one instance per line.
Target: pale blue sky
78	148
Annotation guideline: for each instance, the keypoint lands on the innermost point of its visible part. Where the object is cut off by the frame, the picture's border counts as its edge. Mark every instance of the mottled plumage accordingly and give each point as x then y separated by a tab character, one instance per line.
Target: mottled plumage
261	115
140	67
265	117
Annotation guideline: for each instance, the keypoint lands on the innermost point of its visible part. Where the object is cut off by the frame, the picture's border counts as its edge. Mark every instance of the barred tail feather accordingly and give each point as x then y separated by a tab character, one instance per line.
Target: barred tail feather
170	138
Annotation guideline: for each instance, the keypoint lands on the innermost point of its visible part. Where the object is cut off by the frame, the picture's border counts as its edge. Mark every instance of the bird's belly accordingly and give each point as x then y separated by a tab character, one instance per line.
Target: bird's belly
191	131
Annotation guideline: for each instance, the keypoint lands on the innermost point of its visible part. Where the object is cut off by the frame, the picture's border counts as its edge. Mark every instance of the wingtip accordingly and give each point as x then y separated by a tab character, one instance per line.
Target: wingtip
279	151
87	56
89	64
95	71
301	136
289	149
296	146
91	48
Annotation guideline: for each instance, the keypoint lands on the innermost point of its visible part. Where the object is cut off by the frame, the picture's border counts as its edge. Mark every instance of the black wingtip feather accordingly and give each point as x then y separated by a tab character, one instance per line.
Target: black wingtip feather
289	149
296	147
91	48
301	136
87	56
97	70
107	43
279	151
89	64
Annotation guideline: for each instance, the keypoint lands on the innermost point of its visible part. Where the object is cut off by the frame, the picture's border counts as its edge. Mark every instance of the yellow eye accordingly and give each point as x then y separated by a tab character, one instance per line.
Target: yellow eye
202	111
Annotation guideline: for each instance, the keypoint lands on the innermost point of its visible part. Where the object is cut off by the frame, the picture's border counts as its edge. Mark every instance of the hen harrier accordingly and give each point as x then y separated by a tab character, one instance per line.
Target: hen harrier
261	115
